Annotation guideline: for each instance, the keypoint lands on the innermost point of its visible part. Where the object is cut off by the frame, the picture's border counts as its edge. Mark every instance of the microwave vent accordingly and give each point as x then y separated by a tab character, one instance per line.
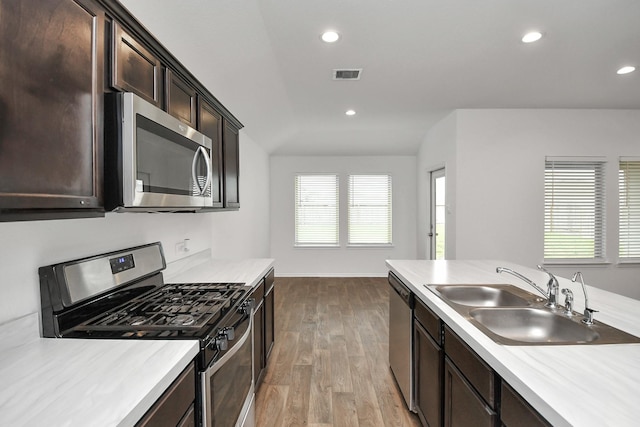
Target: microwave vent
347	74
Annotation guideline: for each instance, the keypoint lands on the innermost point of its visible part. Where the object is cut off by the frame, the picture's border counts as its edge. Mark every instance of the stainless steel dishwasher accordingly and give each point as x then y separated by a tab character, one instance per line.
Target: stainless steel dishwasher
401	302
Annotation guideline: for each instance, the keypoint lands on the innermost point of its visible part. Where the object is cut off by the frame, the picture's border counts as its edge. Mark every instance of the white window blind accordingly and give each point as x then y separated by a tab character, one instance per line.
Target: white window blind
629	193
316	210
574	209
369	209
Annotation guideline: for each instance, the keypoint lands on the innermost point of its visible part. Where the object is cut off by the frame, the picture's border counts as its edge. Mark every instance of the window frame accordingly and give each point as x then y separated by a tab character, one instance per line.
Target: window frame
626	220
352	206
557	193
318	244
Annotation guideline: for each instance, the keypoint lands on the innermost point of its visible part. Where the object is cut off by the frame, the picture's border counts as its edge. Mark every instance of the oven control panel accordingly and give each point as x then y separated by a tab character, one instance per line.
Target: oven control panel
122	263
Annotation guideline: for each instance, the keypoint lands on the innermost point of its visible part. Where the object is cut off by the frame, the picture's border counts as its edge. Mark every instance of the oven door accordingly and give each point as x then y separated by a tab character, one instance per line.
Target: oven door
166	164
227	384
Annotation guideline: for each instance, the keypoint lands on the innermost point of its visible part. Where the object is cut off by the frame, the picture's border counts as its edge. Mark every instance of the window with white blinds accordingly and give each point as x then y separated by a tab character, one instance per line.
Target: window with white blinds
316	213
574	212
369	210
629	205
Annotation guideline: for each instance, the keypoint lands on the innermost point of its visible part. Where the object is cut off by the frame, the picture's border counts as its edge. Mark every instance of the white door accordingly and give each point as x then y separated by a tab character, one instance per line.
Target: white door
437	214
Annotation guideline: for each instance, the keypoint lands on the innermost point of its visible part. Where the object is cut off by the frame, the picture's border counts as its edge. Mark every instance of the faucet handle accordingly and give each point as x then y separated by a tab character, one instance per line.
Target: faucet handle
568	301
588	316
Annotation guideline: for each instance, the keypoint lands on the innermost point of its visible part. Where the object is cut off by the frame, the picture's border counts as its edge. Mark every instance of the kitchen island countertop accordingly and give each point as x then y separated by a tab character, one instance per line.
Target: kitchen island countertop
570	385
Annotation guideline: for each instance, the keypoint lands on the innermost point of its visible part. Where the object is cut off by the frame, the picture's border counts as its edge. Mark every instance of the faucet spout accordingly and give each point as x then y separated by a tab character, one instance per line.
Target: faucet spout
588	312
523	278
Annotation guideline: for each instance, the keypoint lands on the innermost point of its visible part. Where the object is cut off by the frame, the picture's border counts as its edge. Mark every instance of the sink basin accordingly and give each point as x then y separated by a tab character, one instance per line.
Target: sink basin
483	296
512	316
533	325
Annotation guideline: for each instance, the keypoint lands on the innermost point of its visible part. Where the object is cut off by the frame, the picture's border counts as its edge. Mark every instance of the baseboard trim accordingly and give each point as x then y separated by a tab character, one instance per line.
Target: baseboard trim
280	274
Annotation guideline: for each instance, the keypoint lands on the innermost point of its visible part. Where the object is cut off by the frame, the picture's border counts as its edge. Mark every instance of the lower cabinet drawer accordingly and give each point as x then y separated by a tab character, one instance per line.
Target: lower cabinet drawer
515	412
477	372
172	408
463	407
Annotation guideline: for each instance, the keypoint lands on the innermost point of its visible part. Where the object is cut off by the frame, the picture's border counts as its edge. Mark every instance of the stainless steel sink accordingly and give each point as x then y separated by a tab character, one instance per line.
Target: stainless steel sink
512	316
531	325
485	296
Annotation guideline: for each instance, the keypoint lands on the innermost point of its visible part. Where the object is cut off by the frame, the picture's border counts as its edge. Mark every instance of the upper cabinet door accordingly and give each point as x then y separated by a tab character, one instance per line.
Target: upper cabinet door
134	68
51	105
231	153
210	124
181	99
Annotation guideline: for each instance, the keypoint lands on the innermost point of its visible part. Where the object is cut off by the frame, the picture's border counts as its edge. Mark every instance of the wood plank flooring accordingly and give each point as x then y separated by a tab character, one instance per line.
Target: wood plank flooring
330	362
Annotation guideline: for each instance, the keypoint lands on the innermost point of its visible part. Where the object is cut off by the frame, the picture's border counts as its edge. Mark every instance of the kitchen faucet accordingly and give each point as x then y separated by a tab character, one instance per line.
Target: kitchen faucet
588	312
551	294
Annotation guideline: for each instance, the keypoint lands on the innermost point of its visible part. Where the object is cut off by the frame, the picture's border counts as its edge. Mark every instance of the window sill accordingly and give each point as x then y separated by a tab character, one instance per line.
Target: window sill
635	262
316	246
576	262
370	246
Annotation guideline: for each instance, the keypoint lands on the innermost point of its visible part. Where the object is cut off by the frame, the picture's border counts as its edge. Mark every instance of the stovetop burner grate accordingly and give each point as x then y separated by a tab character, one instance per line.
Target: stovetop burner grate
184	307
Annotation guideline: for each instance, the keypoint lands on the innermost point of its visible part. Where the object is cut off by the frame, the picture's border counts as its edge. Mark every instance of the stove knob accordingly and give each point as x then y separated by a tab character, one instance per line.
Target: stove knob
247	306
221	342
229	332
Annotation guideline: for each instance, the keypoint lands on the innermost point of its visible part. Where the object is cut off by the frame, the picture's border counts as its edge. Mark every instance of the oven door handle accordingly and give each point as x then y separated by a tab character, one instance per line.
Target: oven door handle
213	368
194	174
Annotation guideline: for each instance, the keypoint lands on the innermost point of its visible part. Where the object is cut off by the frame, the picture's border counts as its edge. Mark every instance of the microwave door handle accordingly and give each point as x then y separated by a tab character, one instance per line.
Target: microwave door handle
194	173
207	161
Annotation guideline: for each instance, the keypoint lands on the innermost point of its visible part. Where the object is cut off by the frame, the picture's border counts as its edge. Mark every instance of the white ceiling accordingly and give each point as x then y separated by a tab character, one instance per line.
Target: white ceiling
263	59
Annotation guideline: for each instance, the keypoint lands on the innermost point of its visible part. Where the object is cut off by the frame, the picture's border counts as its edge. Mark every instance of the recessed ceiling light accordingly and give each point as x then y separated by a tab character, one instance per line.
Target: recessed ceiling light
330	36
350	112
626	70
531	37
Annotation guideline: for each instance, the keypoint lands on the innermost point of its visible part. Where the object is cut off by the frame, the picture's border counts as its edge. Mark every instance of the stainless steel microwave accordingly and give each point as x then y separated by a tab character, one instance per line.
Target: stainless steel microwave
153	161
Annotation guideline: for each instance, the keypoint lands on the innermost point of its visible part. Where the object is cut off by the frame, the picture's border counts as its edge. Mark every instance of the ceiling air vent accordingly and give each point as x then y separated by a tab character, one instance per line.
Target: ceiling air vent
349	74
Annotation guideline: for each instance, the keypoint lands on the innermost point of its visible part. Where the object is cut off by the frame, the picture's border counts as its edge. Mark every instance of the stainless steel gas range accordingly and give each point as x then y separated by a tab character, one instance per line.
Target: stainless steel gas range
122	295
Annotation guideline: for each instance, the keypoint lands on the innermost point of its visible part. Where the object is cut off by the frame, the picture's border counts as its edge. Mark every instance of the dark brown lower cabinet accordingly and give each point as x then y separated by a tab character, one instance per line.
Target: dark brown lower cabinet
429	363
463	407
516	412
175	408
269	325
263	326
258	334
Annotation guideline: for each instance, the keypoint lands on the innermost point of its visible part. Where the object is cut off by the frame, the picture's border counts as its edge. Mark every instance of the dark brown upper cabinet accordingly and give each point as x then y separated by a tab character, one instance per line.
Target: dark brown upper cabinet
210	124
231	154
134	68
51	104
181	99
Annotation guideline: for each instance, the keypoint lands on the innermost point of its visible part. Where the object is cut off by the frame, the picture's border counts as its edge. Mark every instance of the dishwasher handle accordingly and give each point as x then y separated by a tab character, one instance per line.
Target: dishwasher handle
400	289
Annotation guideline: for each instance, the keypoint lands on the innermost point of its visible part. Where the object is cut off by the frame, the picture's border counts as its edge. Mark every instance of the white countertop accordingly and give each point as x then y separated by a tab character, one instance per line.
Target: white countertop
78	382
82	382
247	271
575	385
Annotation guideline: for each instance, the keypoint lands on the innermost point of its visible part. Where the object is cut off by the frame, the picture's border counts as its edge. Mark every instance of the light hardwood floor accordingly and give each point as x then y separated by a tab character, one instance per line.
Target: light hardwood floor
330	361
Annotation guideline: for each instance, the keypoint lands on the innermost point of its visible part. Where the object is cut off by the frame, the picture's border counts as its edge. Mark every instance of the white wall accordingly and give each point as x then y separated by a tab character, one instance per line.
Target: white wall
500	182
25	246
245	233
342	261
437	151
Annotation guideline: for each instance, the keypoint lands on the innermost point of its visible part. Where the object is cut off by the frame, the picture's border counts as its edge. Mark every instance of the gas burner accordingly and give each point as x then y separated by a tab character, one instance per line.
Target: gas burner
174	297
138	320
211	296
183	320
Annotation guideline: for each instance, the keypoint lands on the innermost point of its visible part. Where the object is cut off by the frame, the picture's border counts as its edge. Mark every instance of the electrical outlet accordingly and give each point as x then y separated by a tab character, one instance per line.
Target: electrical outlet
182	247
